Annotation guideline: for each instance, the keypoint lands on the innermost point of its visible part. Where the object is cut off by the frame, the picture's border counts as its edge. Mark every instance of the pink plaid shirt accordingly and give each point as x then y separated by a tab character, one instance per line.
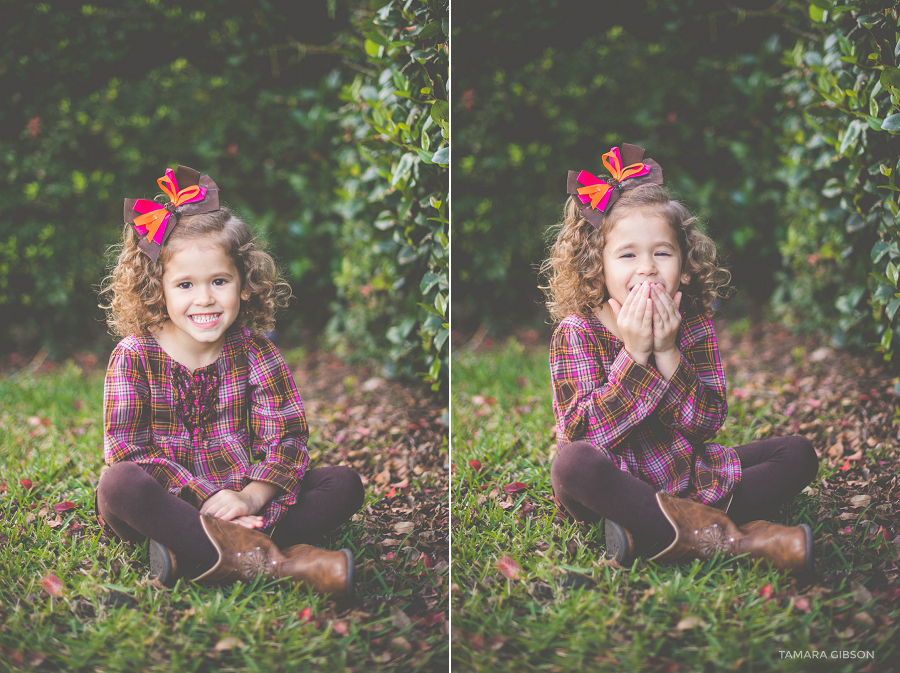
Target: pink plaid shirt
240	419
654	429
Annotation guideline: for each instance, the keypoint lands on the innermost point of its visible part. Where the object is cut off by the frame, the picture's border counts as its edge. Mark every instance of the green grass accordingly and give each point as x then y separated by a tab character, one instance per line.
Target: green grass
570	610
109	617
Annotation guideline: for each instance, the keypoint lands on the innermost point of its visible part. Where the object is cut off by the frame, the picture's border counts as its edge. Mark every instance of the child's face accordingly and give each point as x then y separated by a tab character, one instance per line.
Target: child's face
641	247
202	290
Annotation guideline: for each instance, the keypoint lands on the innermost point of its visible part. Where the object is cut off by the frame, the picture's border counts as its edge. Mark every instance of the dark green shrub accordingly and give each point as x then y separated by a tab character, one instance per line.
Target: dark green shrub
393	279
841	165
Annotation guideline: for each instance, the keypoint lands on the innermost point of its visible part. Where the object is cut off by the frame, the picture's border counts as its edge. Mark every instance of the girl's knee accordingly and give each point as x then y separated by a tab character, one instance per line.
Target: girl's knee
575	459
805	454
124	482
350	485
119	478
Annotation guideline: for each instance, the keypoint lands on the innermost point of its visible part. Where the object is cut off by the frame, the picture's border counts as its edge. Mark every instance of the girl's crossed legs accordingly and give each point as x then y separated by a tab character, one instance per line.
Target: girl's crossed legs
136	506
591	487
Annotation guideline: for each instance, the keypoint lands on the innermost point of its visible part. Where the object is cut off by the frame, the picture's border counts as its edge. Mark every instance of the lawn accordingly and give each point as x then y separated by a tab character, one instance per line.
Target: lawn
73	600
531	592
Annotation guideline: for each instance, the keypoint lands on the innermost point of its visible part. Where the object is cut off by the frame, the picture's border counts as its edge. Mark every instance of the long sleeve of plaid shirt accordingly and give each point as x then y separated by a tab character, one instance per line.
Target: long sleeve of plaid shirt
277	421
256	430
652	428
695	402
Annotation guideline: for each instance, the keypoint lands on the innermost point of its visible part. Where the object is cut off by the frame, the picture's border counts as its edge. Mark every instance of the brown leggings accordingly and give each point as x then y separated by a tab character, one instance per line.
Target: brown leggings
136	507
591	487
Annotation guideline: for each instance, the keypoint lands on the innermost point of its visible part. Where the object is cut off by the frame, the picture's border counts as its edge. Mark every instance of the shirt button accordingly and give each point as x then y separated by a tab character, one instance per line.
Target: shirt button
196	431
196	378
196	403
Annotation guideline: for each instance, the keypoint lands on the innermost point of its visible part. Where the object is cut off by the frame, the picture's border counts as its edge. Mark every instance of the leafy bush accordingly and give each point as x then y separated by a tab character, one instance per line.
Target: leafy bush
841	164
393	194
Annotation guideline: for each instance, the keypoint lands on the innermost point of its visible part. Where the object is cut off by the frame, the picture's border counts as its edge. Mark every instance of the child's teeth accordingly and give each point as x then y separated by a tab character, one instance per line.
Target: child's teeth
204	318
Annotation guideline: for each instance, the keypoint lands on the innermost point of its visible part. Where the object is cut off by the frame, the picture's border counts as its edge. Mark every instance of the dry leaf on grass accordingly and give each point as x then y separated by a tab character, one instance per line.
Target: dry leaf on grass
690	622
508	568
228	643
52	584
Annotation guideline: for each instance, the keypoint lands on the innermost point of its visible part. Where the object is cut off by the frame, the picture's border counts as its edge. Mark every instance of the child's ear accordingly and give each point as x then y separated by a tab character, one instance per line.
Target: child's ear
685	278
245	296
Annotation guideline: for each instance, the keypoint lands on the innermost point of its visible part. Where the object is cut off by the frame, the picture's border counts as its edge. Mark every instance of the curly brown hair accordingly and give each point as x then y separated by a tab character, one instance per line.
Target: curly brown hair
134	285
574	269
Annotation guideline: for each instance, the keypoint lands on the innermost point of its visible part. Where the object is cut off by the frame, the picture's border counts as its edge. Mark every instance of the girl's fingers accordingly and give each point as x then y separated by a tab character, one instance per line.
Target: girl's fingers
644	310
667	305
677	299
635	303
629	300
248	521
659	304
615	306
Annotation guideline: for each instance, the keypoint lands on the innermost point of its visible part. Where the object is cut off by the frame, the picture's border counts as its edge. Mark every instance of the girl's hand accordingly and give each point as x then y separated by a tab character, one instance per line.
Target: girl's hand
254	521
229	505
634	319
666	319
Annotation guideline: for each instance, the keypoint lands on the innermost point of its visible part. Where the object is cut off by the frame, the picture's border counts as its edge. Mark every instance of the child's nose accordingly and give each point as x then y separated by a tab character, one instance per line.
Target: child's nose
204	296
647	266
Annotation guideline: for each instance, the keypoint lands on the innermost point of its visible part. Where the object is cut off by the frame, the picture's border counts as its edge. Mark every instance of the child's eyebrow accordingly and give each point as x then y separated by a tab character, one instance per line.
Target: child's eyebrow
622	246
218	274
656	244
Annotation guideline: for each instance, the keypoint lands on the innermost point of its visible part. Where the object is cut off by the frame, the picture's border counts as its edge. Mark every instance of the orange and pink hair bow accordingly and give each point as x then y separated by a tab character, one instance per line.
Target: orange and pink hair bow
188	193
627	169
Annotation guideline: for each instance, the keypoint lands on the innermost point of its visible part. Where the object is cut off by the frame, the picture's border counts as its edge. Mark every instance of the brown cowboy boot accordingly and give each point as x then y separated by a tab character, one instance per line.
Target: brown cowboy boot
701	531
246	553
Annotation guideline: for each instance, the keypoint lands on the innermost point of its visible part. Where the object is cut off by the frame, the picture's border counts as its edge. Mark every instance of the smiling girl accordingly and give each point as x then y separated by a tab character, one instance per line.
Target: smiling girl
639	389
204	431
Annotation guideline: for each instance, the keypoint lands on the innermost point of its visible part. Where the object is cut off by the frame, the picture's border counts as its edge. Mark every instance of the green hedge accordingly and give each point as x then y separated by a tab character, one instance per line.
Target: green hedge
842	158
393	195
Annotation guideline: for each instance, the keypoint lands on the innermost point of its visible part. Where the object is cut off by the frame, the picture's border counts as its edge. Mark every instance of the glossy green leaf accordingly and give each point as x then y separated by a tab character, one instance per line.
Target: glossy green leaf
891	123
890	77
442	156
372	48
851	135
440	111
891	308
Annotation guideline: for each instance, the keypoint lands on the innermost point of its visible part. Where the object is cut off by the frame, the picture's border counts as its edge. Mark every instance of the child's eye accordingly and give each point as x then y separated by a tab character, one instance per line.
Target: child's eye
664	254
219	281
627	255
185	285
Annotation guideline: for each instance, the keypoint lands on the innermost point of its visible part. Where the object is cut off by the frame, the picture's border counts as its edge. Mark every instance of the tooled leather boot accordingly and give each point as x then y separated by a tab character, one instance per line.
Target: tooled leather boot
244	554
701	531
